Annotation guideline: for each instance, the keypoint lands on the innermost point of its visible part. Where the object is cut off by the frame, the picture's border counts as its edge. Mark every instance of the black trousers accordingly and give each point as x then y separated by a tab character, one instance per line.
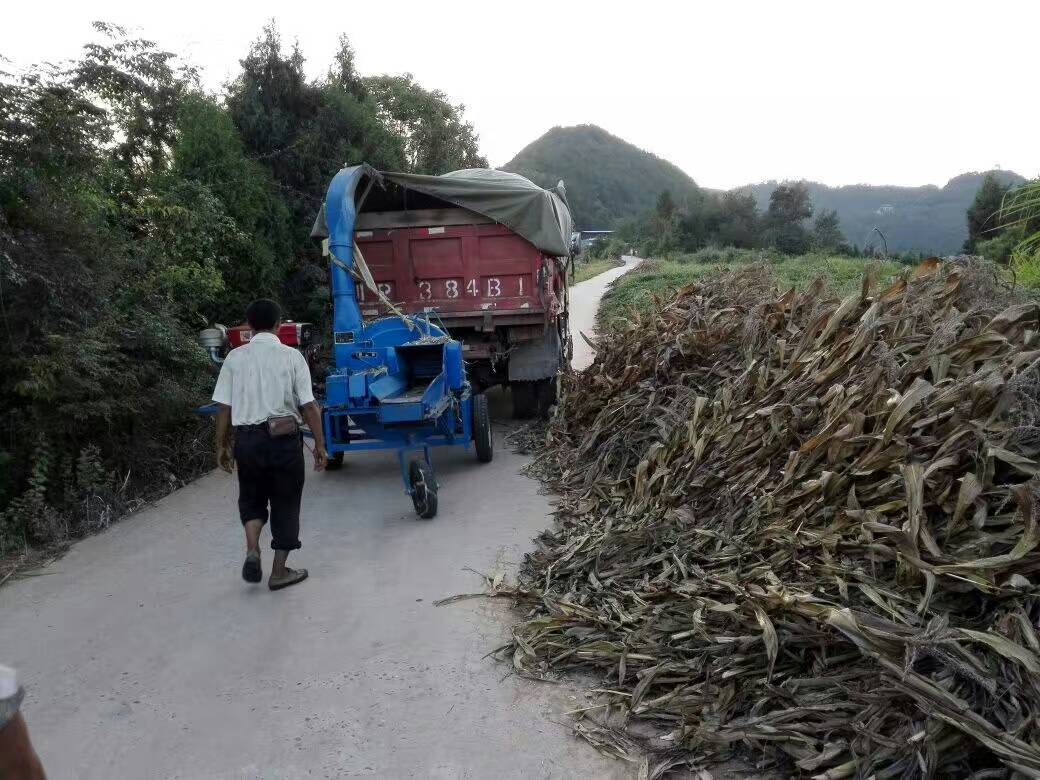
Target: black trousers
270	473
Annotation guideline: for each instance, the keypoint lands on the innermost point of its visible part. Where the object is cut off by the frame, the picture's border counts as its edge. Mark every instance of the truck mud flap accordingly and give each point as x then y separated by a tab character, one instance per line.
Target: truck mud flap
536	360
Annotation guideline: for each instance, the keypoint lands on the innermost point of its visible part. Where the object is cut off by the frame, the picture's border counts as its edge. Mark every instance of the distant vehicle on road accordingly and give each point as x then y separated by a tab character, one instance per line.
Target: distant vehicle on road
586	238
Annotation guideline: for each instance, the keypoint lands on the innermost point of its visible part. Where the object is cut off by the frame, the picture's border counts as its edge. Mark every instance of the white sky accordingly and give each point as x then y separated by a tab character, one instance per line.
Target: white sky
732	91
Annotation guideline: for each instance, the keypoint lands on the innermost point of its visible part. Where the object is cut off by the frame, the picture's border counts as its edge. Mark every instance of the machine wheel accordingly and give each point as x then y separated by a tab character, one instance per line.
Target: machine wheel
545	395
424	488
335	462
525	402
482	436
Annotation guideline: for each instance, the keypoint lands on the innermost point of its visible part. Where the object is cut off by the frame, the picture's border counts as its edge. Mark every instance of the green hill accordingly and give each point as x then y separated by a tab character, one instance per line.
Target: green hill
926	219
607	179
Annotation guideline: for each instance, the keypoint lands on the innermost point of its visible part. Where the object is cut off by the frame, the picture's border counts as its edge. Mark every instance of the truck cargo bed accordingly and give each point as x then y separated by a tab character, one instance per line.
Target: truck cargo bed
456	270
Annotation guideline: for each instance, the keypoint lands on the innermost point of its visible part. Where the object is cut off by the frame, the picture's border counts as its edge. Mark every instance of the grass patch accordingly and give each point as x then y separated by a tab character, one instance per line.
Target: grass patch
585	270
662	277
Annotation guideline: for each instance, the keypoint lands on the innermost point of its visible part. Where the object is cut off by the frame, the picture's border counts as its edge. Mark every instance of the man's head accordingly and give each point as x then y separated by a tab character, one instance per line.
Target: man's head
263	314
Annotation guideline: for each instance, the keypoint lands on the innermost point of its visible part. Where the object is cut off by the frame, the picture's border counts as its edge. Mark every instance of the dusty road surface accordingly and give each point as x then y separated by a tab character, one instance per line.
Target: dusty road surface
585	299
145	654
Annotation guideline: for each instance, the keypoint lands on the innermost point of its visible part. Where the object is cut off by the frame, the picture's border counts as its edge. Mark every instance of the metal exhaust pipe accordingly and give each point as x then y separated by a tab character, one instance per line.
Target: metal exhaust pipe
213	340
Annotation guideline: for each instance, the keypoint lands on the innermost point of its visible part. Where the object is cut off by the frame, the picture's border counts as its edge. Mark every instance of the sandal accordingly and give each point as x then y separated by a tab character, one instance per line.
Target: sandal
291	577
251	569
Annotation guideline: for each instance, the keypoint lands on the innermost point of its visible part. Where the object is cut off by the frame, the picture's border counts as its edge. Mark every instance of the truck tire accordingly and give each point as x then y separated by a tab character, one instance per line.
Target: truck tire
525	400
424	489
545	395
482	436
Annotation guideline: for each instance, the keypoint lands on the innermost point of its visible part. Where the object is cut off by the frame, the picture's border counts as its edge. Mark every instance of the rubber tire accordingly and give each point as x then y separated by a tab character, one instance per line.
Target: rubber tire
424	489
335	462
483	438
525	400
545	395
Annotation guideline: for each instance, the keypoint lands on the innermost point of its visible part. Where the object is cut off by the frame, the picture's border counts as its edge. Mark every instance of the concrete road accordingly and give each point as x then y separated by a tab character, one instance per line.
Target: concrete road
585	299
145	655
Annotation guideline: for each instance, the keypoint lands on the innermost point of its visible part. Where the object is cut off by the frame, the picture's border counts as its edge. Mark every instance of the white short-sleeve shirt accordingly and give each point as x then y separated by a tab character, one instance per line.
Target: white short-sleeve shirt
264	379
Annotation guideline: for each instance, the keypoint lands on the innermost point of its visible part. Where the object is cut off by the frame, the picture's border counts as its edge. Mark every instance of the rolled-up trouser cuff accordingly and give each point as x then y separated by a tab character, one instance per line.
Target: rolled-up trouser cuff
287	546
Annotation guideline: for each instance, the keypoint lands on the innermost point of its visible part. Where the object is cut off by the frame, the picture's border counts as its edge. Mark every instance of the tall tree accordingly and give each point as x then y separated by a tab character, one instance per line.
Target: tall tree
437	137
984	212
270	98
789	207
789	204
254	256
738	220
302	131
272	106
827	234
141	87
665	205
343	73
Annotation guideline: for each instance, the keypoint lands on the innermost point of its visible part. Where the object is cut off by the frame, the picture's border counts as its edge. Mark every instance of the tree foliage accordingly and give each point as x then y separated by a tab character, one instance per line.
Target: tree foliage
437	139
983	214
1018	240
739	221
101	356
732	219
665	205
140	86
789	208
1004	224
927	219
789	204
135	209
826	231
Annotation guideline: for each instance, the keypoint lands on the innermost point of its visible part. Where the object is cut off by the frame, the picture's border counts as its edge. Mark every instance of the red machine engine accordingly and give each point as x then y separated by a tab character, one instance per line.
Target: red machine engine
219	340
293	334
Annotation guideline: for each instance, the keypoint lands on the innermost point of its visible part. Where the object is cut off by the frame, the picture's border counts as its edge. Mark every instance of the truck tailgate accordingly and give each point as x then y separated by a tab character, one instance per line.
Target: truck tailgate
453	269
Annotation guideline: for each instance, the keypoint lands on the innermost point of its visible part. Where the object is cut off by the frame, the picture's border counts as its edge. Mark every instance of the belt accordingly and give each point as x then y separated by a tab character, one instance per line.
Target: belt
254	427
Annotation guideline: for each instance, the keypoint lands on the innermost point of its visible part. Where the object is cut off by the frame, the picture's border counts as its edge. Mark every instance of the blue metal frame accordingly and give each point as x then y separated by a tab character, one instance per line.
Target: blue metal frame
399	382
367	434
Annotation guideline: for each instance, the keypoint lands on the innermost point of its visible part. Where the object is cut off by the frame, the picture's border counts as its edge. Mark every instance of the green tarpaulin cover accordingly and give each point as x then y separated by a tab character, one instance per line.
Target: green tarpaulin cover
541	216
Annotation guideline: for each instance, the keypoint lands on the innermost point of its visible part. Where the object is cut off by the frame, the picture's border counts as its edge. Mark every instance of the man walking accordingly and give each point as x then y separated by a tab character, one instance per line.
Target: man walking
264	393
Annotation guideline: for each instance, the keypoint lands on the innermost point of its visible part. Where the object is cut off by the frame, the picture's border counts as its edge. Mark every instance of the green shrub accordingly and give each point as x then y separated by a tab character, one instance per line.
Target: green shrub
1026	268
1000	248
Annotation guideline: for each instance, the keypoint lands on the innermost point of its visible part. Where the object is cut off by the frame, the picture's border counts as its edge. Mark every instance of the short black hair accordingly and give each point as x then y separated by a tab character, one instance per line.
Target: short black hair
263	314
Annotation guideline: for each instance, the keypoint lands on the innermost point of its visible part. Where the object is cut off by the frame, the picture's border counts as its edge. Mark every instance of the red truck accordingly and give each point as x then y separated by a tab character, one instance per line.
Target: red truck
486	253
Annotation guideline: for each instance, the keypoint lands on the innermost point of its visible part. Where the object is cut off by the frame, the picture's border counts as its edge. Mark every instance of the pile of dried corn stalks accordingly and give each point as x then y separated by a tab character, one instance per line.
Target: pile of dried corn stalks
802	529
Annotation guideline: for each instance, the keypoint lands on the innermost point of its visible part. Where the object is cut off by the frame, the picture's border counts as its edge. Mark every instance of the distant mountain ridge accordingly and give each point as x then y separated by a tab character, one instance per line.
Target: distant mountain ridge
609	180
926	219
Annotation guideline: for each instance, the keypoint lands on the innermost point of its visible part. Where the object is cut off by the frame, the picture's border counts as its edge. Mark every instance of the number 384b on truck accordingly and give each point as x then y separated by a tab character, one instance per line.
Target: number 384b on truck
448	289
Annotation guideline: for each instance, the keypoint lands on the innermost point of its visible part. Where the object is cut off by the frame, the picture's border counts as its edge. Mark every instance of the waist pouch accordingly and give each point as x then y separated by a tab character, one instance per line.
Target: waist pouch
280	427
